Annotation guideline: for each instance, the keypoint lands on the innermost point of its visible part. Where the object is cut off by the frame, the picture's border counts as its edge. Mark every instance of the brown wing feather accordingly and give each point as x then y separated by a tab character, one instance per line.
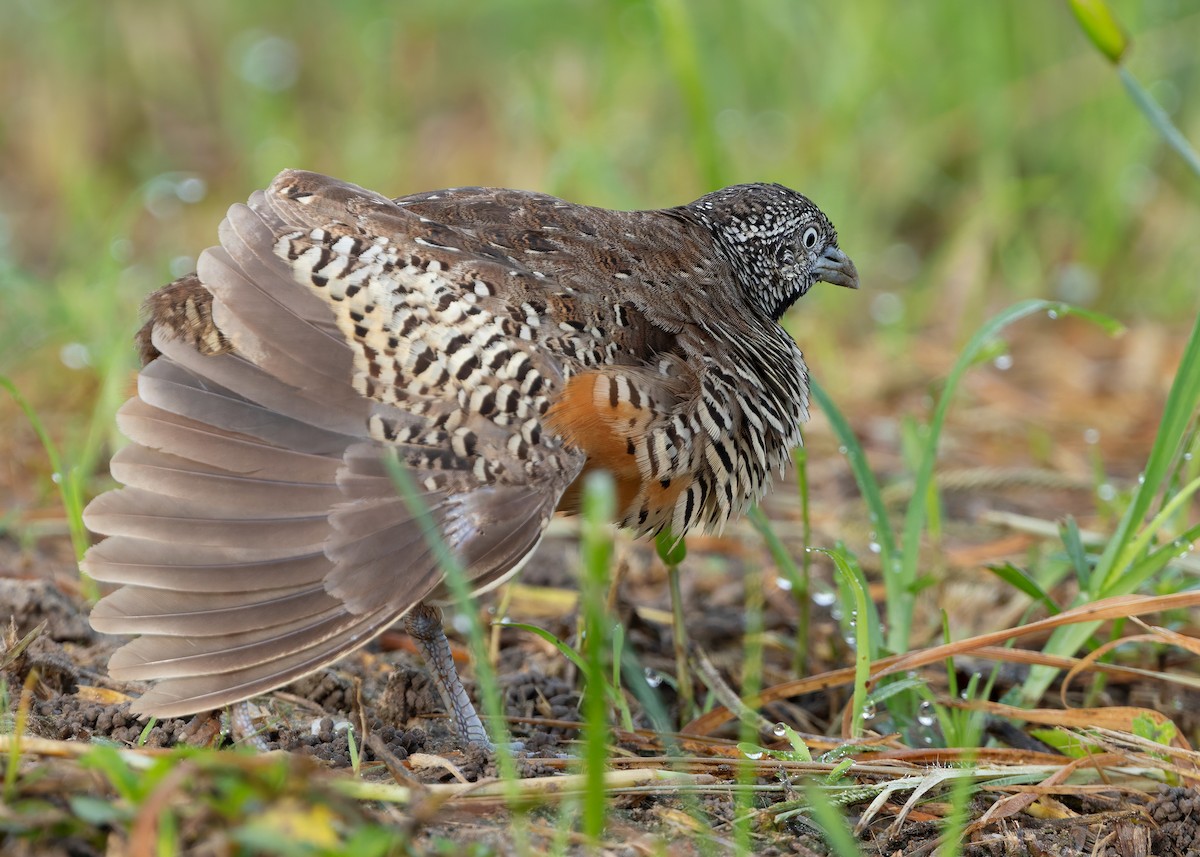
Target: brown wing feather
259	537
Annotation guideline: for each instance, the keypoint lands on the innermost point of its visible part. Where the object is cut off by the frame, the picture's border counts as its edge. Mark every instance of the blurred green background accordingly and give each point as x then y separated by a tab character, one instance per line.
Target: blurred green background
970	153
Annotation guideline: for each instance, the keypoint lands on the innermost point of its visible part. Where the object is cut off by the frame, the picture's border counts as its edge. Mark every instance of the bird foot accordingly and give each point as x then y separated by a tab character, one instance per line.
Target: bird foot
424	625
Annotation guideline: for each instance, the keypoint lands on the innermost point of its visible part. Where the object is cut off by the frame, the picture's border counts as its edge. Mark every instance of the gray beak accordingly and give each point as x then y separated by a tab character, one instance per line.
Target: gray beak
835	267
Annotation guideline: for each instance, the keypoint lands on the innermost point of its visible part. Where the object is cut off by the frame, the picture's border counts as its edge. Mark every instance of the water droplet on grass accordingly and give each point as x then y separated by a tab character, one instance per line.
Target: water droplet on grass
925	714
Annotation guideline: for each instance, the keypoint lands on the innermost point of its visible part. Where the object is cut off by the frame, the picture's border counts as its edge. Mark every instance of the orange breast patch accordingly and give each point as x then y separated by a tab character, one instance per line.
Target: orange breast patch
591	415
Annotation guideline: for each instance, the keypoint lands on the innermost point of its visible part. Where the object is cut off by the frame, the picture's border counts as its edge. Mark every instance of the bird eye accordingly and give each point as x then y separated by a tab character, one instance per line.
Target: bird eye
810	238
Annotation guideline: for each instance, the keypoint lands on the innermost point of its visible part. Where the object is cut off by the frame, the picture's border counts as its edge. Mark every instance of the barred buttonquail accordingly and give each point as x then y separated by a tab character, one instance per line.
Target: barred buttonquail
503	343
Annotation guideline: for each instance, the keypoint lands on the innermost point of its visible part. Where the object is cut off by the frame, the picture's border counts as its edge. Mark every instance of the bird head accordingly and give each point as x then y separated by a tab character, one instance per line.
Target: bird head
777	241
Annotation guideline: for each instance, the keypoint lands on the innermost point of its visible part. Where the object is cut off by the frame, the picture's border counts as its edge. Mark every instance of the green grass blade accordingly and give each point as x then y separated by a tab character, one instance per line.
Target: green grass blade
1069	533
599	509
1125	550
832	823
1139	544
563	649
460	588
861	469
1182	403
1019	580
1158	558
899	614
683	53
1159	119
851	578
68	482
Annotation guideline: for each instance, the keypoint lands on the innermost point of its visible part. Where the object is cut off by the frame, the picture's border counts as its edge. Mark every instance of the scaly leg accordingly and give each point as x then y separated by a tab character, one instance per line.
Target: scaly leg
424	625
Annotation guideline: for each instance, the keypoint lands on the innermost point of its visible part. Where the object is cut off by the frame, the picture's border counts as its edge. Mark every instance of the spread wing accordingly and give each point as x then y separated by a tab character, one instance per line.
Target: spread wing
259	536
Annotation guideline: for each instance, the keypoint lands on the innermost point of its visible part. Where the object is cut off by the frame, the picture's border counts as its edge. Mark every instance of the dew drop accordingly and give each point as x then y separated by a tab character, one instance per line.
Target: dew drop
1052	314
780	730
653	679
869	711
56	478
925	714
842	450
824	599
1106	492
1003	362
783	583
874	547
1091	436
1187	456
754	756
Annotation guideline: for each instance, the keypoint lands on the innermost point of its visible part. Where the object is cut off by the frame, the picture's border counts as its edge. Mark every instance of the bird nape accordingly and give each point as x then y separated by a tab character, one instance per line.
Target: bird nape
501	343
